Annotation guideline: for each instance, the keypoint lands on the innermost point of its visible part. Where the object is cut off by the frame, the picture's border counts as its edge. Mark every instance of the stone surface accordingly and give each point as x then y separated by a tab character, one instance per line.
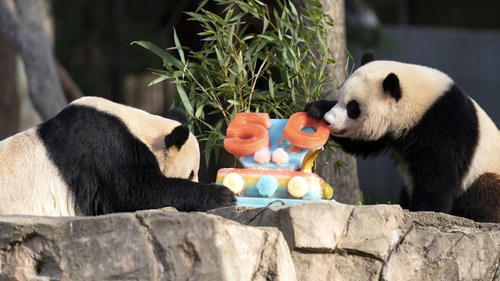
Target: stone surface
383	242
109	247
309	227
318	241
444	247
204	247
373	230
319	266
143	246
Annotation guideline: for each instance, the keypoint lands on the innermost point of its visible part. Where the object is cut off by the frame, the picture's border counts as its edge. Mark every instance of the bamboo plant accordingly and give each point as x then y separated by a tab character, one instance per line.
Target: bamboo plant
277	70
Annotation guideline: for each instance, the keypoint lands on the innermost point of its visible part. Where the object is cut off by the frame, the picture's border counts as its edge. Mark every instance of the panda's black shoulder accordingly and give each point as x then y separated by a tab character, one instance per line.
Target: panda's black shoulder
95	153
451	124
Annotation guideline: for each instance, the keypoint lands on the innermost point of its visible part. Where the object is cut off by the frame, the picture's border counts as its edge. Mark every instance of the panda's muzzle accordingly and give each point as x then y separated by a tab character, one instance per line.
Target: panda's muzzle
338	132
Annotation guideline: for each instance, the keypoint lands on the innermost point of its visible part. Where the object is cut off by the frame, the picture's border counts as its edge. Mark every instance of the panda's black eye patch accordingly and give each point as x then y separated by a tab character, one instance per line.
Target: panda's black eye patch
191	176
353	110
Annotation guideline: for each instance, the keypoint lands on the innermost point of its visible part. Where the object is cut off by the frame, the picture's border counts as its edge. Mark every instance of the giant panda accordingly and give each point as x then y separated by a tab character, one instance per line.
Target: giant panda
97	157
445	145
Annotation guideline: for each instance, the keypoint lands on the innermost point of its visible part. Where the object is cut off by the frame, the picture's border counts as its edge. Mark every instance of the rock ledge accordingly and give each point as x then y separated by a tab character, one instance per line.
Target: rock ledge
317	241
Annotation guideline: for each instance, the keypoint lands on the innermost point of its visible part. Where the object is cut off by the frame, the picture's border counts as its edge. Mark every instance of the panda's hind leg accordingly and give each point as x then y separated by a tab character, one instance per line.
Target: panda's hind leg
481	201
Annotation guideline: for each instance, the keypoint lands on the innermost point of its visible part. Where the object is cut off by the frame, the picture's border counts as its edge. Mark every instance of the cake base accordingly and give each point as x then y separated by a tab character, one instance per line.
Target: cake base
287	186
266	202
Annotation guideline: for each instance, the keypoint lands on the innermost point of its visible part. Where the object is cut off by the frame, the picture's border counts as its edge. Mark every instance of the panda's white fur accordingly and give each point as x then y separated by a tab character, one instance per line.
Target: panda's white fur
38	168
30	184
487	154
384	113
445	145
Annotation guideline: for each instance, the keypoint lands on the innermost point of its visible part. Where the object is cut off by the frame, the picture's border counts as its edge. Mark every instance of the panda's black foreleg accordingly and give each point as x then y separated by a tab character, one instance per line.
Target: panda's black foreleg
212	196
184	195
318	109
480	202
433	190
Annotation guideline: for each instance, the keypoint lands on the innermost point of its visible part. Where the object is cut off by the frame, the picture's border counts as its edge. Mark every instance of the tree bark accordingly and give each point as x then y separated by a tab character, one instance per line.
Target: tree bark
346	184
23	30
9	99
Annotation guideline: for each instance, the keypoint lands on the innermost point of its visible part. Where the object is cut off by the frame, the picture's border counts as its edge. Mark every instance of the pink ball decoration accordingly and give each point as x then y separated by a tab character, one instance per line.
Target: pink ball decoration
262	156
280	156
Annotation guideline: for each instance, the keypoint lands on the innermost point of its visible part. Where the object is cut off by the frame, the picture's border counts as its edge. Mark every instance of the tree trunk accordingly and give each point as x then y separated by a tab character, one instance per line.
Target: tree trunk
346	184
9	99
22	28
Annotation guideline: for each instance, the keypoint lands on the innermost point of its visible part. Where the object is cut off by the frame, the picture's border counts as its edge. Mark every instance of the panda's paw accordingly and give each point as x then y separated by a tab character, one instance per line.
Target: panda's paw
219	196
318	109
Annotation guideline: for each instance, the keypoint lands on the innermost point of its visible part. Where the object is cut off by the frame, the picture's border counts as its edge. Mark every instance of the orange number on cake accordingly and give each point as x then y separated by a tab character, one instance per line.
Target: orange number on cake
298	121
247	133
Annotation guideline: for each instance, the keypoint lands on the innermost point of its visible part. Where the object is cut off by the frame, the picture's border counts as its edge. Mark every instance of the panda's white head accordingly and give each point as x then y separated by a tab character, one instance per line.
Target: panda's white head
384	98
175	148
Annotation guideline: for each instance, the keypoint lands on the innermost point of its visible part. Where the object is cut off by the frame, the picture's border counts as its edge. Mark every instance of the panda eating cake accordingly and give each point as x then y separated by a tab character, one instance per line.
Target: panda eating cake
445	145
277	156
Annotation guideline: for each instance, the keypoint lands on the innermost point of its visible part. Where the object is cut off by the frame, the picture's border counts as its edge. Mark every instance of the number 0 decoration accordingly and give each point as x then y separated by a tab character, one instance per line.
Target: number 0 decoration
300	120
247	133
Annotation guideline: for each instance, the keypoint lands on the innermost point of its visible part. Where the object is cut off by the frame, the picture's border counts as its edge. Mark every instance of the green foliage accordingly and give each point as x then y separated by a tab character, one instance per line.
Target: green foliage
289	58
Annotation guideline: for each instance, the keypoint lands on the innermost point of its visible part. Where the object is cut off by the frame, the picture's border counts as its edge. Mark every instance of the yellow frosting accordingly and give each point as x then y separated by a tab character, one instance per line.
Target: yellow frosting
234	182
298	187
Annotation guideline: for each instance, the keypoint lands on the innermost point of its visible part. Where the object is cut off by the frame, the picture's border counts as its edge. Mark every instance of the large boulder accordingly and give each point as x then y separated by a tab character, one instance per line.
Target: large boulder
141	246
331	241
318	241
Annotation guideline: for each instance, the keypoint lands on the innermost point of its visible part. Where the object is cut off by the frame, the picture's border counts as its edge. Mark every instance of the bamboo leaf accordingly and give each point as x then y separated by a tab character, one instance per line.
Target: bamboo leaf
220	59
271	87
158	80
268	38
159	52
184	98
201	5
179	47
199	111
292	7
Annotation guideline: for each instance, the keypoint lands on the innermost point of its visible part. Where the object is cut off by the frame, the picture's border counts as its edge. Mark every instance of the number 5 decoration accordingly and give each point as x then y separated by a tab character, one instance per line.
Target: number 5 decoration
247	133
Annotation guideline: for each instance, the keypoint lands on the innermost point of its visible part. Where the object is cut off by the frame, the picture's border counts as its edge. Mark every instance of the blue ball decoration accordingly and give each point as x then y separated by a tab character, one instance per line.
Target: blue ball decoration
267	185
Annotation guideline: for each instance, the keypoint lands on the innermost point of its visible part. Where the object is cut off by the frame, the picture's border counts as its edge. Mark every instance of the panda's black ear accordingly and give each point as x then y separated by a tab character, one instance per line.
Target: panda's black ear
368	56
392	87
177	114
177	137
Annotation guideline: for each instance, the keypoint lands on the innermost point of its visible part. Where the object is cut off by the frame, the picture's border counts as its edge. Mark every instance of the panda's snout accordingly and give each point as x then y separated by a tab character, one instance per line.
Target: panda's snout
334	130
339	132
335	118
